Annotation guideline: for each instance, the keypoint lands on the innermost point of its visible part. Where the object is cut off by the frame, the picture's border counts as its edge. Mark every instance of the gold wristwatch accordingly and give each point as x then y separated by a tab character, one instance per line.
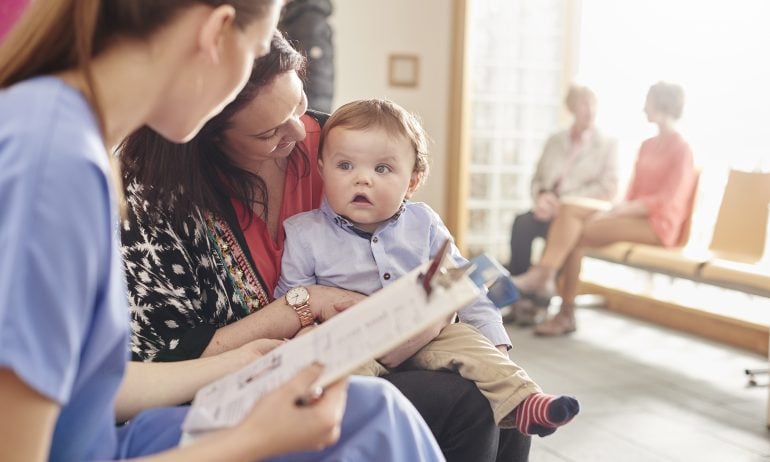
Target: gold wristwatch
299	299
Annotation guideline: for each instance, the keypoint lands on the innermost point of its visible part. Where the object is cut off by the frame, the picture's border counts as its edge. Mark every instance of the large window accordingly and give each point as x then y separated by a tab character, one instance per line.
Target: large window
518	52
523	54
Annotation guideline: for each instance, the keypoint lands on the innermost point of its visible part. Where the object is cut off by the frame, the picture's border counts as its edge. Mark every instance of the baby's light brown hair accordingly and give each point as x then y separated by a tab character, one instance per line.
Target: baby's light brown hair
382	113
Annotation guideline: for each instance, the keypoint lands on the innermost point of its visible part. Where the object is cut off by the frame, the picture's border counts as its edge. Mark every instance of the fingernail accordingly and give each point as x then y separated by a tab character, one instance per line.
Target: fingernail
310	397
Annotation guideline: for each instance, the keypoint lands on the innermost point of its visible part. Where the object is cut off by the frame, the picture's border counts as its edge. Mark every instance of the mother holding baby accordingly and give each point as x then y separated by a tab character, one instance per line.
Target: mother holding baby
203	247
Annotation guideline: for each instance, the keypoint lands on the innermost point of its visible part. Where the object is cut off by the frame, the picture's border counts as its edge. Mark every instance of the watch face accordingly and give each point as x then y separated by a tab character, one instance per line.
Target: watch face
297	296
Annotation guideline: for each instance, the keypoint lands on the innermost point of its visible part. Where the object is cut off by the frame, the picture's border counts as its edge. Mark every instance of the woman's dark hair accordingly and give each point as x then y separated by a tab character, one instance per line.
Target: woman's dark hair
177	179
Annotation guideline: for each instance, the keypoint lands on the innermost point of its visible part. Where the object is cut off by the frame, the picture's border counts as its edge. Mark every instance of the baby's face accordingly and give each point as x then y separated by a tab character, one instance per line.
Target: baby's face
367	174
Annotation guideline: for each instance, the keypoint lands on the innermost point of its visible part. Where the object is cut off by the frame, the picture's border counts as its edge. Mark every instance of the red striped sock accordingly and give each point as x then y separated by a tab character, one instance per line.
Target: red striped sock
540	414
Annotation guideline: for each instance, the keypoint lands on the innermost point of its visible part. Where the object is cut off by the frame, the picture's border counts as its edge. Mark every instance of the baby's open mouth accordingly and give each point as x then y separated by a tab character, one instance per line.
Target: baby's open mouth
361	199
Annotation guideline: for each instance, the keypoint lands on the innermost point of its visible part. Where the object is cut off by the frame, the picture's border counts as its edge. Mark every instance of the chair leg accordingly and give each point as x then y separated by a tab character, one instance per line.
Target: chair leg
767	416
753	373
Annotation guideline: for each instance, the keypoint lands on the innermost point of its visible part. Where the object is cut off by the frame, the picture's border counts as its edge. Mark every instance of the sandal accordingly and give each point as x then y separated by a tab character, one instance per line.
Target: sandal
557	325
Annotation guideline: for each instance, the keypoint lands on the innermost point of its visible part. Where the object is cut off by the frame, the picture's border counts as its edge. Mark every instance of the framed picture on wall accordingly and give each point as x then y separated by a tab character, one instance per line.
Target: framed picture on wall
403	70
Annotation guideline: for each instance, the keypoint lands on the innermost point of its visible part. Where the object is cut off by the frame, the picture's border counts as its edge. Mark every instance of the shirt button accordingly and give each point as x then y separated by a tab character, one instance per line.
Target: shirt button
374	239
386	276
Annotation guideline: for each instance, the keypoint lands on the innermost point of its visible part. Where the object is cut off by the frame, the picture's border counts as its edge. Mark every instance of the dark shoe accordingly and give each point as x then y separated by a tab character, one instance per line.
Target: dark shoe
524	313
509	314
533	315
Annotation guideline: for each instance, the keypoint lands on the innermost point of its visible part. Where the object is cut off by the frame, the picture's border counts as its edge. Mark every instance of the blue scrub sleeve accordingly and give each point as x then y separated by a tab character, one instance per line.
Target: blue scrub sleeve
55	231
379	424
151	432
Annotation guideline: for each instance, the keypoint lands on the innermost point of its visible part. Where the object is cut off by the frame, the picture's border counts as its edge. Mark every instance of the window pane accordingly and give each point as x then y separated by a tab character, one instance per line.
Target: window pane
516	51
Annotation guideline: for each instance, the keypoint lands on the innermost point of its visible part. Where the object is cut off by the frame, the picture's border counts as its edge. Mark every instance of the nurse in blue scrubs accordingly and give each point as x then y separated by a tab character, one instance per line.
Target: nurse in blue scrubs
76	76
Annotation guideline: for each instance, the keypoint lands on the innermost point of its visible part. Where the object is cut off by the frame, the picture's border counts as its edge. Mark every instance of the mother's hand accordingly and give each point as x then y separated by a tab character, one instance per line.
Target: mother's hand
546	206
325	302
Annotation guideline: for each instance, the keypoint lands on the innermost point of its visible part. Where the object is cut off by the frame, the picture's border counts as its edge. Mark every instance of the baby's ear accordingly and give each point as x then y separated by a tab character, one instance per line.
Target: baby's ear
414	183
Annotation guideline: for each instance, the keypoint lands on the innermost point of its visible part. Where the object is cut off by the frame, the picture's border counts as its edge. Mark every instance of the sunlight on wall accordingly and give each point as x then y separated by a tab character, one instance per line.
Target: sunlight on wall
715	49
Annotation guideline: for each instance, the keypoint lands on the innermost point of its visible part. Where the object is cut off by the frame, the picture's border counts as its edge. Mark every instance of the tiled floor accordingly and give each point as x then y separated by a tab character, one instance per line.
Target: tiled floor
646	393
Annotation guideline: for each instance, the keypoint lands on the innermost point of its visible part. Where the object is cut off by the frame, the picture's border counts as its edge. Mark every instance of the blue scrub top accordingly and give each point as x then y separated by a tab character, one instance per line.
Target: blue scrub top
63	314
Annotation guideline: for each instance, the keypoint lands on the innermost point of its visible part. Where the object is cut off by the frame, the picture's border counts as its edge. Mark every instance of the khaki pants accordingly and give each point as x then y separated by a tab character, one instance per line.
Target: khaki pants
461	348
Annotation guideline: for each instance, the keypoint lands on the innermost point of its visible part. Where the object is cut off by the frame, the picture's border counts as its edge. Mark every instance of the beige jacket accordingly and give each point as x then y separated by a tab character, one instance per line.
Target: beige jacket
594	172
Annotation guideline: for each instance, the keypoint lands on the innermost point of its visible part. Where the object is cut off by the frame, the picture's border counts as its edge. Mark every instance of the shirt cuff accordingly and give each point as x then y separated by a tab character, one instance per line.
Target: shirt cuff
496	334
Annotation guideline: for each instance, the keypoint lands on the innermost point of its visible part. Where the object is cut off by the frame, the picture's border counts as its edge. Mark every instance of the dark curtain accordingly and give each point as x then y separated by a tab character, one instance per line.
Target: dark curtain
305	23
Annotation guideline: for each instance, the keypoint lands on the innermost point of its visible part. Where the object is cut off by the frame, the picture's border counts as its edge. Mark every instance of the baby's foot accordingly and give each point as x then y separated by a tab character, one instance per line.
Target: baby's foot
541	414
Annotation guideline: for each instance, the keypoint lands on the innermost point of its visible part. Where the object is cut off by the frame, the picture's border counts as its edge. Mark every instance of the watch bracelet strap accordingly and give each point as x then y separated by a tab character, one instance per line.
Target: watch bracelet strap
304	314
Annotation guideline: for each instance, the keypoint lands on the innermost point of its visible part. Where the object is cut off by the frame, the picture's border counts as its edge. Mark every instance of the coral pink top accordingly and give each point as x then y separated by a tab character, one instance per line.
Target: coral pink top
664	180
299	195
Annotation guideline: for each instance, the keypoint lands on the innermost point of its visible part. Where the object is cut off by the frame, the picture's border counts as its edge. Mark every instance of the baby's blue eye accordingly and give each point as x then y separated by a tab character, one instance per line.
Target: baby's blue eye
382	168
344	165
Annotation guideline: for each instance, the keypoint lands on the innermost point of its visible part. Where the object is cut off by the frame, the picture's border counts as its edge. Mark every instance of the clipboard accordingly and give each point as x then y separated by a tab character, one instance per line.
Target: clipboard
363	332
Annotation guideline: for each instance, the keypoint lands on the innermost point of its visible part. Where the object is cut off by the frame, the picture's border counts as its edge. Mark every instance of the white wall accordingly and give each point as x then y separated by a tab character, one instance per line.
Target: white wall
366	32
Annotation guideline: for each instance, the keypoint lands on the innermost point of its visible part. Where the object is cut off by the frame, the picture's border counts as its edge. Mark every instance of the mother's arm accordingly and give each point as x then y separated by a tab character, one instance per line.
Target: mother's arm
150	385
279	320
181	301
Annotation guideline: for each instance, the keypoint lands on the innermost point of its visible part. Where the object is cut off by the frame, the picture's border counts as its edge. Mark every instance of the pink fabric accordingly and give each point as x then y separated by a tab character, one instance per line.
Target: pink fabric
10	11
664	180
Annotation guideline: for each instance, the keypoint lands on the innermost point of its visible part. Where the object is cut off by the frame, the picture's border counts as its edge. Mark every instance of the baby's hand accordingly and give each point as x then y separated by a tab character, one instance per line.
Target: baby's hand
326	302
344	305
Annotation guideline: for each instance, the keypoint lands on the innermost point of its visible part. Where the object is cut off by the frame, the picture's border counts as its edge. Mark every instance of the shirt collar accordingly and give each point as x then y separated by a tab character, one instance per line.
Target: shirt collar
345	224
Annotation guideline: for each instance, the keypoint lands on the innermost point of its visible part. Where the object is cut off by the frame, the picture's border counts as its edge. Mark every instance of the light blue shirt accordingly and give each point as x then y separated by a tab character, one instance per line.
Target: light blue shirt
323	248
63	313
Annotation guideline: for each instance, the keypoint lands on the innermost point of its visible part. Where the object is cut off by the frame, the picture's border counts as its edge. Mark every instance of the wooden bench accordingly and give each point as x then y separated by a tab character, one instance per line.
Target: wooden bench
735	258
